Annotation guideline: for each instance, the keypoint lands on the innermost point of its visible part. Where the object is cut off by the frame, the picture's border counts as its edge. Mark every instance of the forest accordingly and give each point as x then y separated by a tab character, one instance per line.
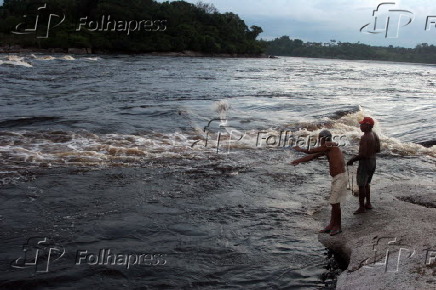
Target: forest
134	26
143	26
285	46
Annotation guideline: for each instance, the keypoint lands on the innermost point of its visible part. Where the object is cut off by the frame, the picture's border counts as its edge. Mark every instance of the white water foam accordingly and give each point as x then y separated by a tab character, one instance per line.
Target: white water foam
88	149
93	58
15	61
349	126
45	57
67	57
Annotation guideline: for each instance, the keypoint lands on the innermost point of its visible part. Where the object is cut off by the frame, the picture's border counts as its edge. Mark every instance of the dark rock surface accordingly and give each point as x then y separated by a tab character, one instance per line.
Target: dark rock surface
392	246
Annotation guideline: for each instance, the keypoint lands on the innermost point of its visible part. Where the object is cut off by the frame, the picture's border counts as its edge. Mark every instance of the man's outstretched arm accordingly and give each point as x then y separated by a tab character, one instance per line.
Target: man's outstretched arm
319	149
306	158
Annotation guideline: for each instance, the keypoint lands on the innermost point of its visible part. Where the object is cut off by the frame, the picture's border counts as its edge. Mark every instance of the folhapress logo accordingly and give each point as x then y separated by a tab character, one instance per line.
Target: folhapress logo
44	21
37	26
38	254
388	255
388	19
107	257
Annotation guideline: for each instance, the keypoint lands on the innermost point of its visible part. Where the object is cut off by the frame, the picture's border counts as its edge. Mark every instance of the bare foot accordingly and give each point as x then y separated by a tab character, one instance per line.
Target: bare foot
326	230
334	232
360	210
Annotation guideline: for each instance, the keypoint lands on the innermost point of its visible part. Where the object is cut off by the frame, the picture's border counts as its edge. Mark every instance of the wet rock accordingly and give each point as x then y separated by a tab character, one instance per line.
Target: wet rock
78	51
392	246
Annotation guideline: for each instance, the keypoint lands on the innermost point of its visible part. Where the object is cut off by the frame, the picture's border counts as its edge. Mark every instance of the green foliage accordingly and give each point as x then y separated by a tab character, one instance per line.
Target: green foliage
285	46
181	26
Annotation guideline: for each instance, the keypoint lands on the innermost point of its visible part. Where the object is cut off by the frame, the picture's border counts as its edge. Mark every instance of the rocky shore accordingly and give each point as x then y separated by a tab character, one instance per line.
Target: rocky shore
392	246
18	50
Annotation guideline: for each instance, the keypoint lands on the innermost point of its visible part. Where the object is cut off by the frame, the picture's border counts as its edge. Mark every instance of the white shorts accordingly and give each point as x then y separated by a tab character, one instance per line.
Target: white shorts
338	193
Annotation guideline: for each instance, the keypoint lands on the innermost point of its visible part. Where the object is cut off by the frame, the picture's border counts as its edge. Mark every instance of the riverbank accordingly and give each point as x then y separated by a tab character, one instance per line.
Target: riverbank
392	246
83	51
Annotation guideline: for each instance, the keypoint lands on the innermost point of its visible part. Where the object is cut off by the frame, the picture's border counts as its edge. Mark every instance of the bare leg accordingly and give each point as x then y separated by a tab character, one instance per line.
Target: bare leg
362	194
336	213
336	227
368	197
332	219
328	228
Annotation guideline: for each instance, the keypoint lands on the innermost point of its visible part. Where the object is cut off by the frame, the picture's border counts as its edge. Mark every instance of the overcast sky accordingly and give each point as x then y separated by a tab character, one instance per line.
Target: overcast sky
340	20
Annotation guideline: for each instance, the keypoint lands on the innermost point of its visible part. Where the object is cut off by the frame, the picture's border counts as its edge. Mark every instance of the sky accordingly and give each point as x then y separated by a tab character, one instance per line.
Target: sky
340	20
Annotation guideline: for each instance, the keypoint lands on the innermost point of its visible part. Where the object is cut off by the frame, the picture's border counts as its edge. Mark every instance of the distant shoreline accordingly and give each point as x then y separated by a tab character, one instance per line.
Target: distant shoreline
85	51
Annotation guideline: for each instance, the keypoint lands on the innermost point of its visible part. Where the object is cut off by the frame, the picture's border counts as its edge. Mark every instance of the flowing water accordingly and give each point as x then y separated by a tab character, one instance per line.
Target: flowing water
185	161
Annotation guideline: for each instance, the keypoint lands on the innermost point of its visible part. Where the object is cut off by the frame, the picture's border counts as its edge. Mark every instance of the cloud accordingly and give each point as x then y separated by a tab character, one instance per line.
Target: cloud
279	17
300	10
320	20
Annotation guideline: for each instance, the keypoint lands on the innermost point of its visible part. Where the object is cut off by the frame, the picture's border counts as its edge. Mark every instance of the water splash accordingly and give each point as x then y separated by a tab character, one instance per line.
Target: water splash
222	107
16	61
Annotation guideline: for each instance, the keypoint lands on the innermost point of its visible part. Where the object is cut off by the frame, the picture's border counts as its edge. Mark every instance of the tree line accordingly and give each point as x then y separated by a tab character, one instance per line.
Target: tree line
141	26
285	46
126	26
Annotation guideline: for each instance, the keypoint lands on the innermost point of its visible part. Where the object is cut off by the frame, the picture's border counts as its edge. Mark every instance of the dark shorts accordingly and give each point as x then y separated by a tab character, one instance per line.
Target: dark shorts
365	171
